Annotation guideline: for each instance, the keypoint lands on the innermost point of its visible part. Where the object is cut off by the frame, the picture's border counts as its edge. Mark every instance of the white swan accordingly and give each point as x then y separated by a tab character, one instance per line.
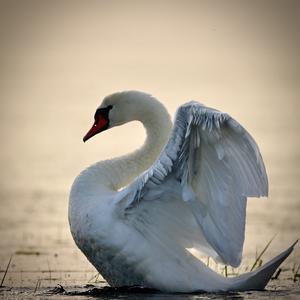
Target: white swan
192	196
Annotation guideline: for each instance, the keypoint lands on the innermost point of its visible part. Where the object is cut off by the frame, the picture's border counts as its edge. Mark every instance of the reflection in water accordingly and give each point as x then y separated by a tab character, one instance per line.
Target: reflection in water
136	293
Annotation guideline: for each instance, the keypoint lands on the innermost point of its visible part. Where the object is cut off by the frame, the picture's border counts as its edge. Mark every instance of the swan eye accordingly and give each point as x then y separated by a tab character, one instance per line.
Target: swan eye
103	112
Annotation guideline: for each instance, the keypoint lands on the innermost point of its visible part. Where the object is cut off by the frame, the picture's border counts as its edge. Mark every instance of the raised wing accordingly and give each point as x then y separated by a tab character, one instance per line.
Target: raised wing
195	194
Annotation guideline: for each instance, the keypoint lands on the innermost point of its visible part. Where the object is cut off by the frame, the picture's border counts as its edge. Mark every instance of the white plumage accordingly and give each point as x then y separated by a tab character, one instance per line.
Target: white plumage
191	194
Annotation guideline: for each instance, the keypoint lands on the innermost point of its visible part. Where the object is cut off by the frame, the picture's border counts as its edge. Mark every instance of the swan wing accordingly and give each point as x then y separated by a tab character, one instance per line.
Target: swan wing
195	194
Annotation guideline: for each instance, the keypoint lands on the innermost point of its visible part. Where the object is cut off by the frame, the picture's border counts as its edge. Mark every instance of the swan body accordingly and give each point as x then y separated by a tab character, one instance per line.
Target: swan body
135	217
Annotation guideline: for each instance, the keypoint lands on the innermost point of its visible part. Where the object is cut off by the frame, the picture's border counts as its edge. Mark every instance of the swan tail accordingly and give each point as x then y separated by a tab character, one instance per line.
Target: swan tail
258	279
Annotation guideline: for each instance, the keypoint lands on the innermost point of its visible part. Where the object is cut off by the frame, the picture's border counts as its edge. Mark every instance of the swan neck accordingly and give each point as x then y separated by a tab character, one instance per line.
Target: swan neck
119	172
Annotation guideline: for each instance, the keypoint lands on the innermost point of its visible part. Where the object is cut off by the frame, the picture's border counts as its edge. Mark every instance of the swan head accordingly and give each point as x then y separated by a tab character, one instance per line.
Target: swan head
120	108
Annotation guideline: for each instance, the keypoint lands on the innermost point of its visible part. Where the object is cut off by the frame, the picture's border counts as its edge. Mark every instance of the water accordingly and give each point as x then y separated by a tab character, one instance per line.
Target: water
286	291
59	61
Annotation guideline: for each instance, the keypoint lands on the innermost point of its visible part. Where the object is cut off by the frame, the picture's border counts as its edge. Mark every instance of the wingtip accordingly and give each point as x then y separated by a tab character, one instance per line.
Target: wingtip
295	243
291	248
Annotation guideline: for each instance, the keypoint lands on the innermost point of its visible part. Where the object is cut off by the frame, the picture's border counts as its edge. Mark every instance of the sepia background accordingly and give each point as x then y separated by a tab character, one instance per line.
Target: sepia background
58	60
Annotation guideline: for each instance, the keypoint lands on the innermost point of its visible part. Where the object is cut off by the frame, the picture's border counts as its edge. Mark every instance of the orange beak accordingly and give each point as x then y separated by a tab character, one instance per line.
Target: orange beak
100	125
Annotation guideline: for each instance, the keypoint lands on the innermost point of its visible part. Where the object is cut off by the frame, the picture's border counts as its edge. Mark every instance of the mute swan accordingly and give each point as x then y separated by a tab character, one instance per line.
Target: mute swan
186	187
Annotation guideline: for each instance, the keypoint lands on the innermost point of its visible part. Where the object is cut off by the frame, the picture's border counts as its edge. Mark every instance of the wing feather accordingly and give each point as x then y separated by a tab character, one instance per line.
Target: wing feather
206	171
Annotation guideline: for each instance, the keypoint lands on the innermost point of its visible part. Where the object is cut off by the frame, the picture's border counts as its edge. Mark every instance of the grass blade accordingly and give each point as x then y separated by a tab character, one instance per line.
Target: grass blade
2	281
262	253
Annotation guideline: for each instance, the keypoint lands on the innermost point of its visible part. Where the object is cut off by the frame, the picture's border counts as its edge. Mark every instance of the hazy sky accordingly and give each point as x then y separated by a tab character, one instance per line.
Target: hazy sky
60	58
112	45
